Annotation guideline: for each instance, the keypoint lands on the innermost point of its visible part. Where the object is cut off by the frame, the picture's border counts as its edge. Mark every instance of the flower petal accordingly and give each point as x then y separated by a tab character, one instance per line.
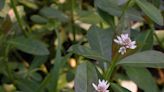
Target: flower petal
133	47
133	42
116	41
119	38
107	91
94	86
126	35
99	81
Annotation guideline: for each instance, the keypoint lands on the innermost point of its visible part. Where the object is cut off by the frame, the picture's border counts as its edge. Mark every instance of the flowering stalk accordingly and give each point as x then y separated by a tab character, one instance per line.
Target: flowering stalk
111	68
125	43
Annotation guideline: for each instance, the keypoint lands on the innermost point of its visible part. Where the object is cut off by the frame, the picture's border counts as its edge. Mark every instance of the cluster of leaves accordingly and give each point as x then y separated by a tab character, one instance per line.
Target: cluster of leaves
40	39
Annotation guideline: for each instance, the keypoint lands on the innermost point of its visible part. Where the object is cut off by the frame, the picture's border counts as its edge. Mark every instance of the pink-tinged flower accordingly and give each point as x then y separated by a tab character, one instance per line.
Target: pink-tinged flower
125	42
122	50
102	86
12	15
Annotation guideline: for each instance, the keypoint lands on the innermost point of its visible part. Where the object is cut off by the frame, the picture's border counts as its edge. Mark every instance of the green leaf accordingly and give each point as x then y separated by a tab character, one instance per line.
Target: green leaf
70	75
35	76
87	52
2	4
145	40
108	6
26	85
53	13
115	10
117	88
151	11
155	2
29	4
38	19
85	76
89	17
107	18
51	80
133	14
153	59
55	71
143	78
160	35
29	45
101	41
37	61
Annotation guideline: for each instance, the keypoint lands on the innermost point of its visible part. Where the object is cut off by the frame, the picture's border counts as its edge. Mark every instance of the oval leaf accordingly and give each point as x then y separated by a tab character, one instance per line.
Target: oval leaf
145	39
117	88
153	59
26	85
38	61
101	41
38	19
151	11
86	75
87	52
29	45
53	13
113	9
142	78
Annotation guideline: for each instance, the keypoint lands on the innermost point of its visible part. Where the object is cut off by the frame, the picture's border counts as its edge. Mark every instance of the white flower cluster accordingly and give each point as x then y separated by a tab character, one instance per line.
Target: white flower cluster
102	86
125	42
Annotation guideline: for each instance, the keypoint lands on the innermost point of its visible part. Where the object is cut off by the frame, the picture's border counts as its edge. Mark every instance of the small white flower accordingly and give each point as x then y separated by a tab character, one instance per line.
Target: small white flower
102	86
122	50
125	42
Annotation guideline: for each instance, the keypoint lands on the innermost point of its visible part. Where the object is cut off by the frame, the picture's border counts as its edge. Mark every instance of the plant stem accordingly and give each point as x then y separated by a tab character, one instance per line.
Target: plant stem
7	64
111	67
160	43
72	20
155	35
116	57
110	70
18	17
125	8
122	15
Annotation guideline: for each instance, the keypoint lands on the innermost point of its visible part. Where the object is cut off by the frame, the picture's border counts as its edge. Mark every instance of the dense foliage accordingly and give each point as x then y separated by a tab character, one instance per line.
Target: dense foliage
81	45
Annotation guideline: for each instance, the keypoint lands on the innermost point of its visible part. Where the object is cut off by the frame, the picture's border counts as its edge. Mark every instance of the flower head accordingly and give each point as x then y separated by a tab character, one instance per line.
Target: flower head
122	50
125	42
102	86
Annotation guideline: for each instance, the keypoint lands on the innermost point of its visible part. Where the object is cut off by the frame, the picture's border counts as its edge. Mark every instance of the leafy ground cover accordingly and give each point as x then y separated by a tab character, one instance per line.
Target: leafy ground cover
81	45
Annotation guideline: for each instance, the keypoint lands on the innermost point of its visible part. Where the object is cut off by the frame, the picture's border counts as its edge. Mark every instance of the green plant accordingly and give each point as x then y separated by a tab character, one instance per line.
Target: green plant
71	45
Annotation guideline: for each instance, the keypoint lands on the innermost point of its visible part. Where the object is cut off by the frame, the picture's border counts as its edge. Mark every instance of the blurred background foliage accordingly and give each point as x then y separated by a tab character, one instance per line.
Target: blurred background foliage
35	36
